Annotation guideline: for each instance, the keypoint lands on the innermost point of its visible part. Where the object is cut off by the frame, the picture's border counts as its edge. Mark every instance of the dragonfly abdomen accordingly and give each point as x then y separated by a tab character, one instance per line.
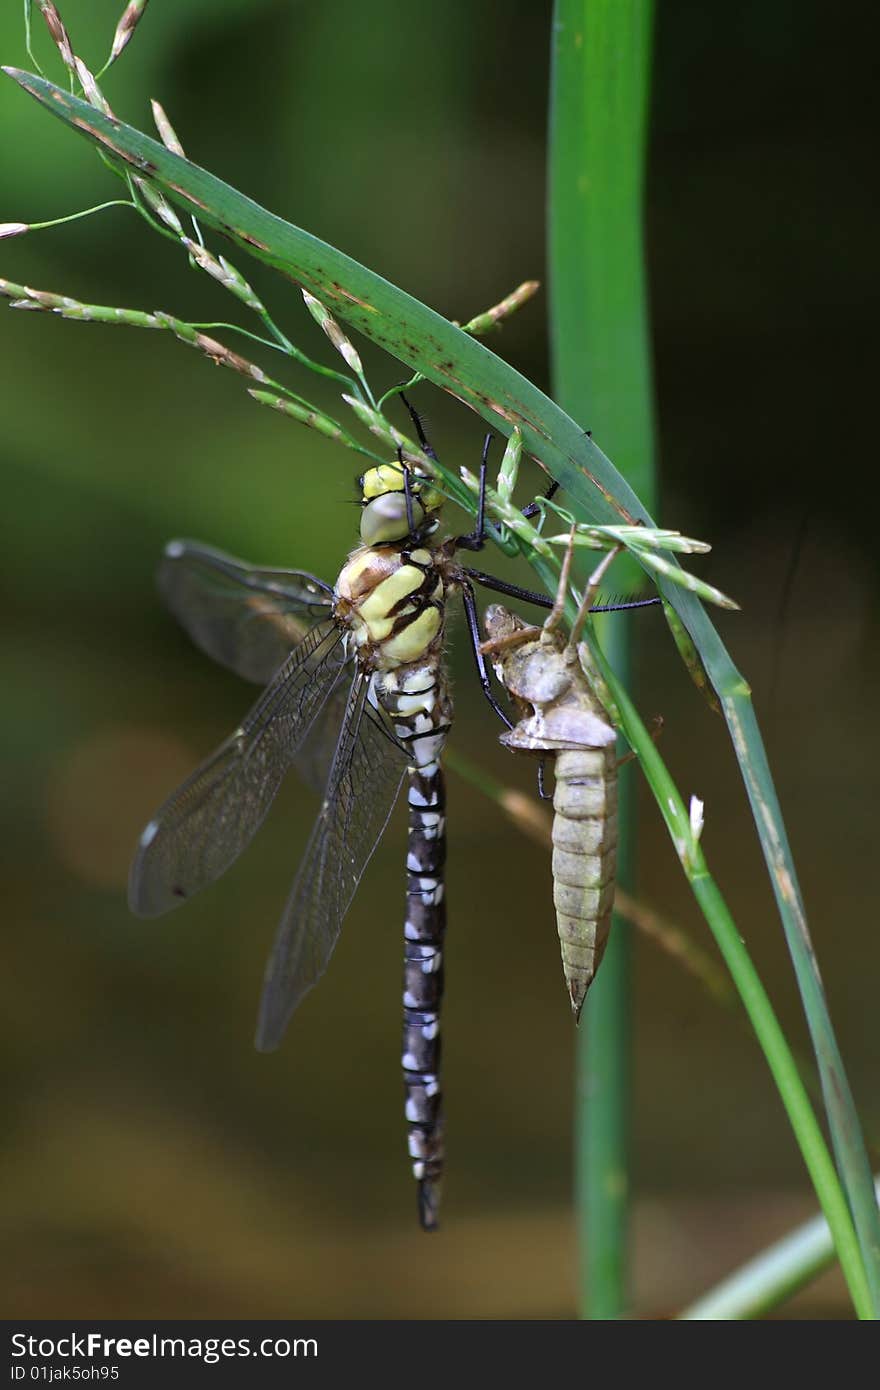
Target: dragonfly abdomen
584	861
417	699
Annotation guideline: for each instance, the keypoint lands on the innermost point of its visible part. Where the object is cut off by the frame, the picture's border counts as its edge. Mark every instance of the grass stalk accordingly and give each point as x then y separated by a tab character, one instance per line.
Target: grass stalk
601	375
777	1053
771	1277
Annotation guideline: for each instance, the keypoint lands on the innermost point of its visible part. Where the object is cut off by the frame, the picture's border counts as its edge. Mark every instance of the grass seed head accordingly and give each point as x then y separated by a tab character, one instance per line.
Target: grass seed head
499	312
60	36
238	285
223	272
225	357
167	133
327	322
313	418
131	17
161	207
93	94
218	352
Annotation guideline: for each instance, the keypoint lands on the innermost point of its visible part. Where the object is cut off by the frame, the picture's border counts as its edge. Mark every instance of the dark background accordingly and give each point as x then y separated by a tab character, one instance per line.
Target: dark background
153	1164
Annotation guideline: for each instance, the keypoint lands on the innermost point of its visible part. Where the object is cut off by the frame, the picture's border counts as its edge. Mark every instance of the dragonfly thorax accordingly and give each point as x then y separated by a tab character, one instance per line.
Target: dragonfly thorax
392	602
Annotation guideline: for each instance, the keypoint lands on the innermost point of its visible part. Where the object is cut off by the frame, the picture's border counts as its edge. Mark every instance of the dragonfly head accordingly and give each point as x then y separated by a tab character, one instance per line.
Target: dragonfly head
384	517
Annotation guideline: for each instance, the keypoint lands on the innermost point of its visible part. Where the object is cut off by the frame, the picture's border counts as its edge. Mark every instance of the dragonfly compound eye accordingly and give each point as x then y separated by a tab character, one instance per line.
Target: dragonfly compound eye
384	518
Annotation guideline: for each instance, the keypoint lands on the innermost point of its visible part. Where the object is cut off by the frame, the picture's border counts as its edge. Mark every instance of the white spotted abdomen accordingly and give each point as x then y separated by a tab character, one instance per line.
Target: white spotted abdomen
417	699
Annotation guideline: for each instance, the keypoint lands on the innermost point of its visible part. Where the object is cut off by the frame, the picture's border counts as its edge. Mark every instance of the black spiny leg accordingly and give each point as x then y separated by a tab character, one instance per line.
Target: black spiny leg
416	418
476	539
542	793
501	586
407	492
533	508
626	605
470	612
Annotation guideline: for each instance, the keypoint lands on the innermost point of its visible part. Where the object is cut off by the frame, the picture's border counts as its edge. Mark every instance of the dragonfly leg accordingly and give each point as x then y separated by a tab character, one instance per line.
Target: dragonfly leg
542	792
470	612
423	439
626	605
407	491
476	539
501	586
533	508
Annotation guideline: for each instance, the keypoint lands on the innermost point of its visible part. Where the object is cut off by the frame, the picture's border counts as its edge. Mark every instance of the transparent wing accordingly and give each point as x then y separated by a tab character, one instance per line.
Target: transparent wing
246	618
204	826
315	758
250	619
361	791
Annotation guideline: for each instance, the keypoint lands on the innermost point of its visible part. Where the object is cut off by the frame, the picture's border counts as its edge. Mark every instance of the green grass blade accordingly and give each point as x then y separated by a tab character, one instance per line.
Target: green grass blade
601	373
390	317
780	1059
846	1134
461	364
770	1277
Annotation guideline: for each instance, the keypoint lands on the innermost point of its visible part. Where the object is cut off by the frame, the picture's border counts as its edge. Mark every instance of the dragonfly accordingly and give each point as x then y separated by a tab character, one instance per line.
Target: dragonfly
357	701
561	716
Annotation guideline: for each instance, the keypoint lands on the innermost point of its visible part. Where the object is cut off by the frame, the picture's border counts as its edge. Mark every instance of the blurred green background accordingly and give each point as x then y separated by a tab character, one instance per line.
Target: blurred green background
152	1163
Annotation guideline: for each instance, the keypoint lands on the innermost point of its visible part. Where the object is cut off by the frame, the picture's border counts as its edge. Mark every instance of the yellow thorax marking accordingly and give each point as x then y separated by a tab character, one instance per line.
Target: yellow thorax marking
412	643
376	608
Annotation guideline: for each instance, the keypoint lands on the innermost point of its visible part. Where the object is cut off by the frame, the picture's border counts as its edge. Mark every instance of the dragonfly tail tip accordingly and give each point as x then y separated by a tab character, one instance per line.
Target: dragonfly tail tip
429	1204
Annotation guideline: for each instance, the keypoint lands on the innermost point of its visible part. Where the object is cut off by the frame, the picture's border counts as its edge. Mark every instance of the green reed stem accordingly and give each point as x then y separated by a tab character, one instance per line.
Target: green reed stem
778	1055
601	375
